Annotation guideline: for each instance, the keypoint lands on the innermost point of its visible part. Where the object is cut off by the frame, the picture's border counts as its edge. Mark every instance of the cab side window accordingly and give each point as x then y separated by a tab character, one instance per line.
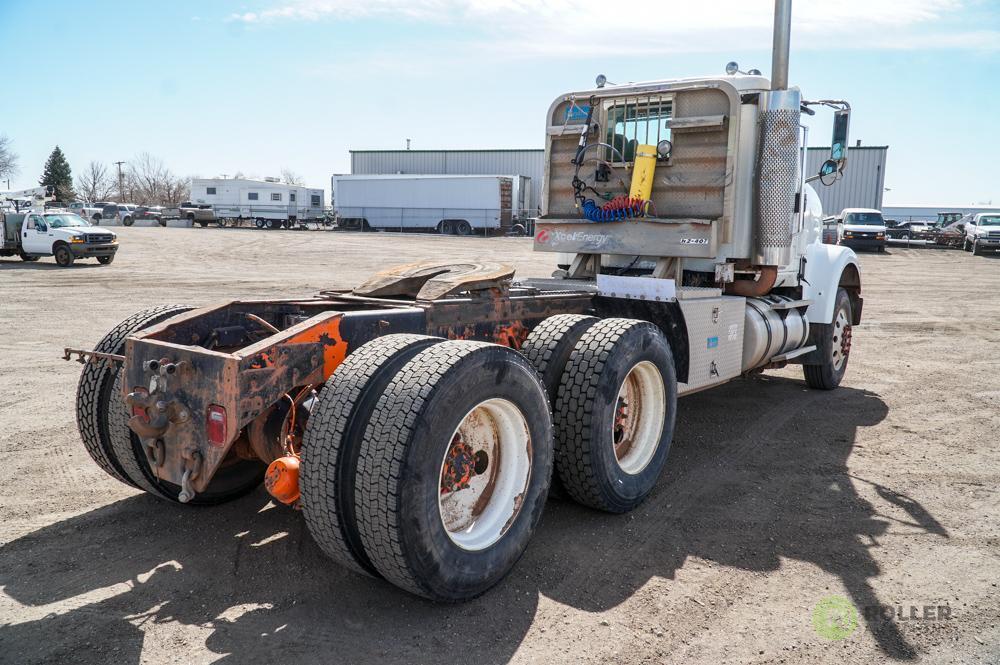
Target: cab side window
37	223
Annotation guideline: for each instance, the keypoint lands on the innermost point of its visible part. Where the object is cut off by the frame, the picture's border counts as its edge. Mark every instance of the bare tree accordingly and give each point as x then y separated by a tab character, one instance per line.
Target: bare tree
150	182
96	183
290	177
8	158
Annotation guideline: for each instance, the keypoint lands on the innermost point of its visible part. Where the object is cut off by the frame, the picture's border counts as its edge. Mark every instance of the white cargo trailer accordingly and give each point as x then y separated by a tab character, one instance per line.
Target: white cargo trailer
267	202
451	204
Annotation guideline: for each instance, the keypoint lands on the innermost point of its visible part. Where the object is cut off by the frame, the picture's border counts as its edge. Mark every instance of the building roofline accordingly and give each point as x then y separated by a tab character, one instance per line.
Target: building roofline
462	150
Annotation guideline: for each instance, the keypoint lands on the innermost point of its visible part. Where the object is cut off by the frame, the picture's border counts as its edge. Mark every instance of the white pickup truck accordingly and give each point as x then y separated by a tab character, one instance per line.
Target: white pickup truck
62	234
982	233
91	211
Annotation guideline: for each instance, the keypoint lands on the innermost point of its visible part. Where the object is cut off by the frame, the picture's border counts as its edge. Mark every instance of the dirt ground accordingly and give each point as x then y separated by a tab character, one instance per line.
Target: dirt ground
775	498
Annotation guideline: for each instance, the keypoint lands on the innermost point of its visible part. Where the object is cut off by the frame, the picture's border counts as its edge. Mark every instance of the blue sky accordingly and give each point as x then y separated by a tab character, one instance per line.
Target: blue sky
257	86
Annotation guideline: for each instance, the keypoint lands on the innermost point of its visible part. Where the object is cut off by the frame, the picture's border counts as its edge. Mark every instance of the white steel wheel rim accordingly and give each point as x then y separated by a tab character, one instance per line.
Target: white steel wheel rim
841	346
478	504
637	421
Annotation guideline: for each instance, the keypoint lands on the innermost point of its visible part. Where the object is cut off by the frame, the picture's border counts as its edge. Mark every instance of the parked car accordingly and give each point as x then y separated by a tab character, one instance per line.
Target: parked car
91	211
982	233
151	212
201	213
123	212
906	230
861	228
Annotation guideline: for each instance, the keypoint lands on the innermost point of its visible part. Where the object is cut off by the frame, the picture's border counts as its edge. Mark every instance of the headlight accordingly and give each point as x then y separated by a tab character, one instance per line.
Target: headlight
880	236
77	239
848	234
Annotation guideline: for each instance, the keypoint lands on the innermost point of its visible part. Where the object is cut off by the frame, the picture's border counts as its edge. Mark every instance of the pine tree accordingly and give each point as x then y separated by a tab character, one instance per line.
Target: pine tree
58	175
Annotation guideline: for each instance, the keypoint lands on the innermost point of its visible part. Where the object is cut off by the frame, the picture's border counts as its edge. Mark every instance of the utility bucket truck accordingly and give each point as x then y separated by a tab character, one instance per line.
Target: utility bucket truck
418	419
32	232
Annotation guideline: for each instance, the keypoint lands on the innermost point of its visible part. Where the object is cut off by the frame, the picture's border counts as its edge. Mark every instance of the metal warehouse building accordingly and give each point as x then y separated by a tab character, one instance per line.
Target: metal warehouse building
863	182
529	162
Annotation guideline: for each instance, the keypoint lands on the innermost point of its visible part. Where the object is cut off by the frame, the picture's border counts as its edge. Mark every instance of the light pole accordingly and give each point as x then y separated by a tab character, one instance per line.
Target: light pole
121	182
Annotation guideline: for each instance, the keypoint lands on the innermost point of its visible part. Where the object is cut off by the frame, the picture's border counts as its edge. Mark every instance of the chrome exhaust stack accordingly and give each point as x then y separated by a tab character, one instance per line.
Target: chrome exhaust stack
777	152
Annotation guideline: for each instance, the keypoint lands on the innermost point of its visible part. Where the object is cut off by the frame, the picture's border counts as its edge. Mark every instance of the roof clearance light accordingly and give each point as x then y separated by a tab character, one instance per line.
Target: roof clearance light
601	81
732	68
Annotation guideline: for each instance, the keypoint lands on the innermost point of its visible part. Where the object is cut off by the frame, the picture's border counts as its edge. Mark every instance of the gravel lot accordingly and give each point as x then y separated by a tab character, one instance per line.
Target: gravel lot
883	492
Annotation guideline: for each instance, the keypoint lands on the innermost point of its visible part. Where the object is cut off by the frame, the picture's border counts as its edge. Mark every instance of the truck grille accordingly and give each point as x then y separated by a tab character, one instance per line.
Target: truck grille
993	234
99	237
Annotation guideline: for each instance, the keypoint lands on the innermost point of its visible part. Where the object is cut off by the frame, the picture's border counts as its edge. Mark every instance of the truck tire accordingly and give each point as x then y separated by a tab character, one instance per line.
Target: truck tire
550	344
463	228
64	257
96	218
614	414
93	393
332	441
202	223
106	260
833	343
460	422
445	228
26	257
975	247
548	348
127	221
259	223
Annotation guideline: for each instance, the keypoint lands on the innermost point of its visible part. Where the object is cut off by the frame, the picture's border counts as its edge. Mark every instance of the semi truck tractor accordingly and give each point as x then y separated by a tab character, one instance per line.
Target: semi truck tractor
419	420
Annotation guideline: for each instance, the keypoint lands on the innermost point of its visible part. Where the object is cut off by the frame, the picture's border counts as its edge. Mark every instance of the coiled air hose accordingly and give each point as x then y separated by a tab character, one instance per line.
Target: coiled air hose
618	208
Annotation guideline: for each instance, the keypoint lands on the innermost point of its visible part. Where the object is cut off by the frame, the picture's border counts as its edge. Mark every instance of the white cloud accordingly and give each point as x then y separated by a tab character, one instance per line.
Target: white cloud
576	27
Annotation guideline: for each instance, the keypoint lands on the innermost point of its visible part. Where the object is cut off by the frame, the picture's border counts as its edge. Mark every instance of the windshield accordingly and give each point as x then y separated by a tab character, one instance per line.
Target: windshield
866	218
992	220
65	220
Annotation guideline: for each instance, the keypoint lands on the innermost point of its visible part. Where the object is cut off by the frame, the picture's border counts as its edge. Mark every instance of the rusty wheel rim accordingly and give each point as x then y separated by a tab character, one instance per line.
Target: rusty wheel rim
484	474
640	410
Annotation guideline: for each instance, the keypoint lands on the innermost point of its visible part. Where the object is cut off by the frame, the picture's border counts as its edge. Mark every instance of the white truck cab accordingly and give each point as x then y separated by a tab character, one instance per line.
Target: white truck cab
861	228
982	233
58	233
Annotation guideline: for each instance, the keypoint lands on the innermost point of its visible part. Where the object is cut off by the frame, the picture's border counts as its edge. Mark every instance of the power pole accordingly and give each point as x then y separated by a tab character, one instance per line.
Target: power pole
121	181
407	144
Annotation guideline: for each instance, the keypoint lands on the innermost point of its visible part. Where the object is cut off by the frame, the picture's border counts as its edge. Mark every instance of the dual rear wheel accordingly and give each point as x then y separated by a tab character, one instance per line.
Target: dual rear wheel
428	462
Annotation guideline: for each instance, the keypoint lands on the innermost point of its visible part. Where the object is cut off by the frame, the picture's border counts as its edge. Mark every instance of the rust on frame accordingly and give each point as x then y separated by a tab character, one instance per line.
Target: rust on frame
327	334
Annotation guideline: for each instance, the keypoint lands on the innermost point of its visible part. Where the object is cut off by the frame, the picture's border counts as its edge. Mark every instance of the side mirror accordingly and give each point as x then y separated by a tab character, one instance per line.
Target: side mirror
838	144
828	172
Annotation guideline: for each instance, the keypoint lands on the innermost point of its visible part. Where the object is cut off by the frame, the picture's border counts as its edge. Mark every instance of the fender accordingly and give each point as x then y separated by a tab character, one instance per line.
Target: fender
823	273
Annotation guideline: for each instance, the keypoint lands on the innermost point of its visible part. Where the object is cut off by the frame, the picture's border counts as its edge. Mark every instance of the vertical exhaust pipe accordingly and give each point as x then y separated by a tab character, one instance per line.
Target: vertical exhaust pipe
781	43
777	152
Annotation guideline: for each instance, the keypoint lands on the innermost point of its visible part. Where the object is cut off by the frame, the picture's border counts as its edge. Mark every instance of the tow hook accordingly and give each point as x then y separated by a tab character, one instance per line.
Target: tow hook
192	469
